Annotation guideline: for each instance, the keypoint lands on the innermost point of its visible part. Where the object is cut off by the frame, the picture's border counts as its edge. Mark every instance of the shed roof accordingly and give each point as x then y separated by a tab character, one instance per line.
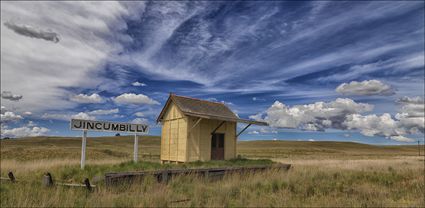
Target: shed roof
204	109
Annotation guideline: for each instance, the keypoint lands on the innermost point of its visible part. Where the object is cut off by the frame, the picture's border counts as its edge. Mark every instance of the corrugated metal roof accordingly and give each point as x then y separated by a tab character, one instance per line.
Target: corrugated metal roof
204	109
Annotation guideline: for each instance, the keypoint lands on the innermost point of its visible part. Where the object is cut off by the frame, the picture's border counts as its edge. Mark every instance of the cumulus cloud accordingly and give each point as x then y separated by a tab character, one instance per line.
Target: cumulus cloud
104	112
267	131
140	121
258	99
83	98
9	96
131	98
139	114
32	32
400	138
371	125
138	84
56	116
83	116
316	116
254	132
412	114
25	131
10	116
367	87
3	109
346	114
68	116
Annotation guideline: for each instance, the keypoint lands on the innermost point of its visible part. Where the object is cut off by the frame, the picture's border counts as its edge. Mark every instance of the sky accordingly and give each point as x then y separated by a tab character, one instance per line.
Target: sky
314	71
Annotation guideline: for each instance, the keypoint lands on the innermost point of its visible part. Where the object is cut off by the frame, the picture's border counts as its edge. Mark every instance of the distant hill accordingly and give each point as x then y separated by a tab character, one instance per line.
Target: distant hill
114	147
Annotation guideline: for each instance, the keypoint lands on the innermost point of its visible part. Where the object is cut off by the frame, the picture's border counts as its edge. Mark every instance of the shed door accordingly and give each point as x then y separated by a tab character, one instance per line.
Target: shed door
217	147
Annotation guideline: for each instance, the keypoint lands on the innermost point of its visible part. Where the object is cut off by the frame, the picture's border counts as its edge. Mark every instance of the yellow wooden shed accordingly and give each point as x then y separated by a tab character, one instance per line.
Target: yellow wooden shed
194	129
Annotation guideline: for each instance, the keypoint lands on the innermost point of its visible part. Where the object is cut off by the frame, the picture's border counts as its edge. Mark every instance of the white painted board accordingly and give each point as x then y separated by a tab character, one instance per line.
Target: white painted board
79	124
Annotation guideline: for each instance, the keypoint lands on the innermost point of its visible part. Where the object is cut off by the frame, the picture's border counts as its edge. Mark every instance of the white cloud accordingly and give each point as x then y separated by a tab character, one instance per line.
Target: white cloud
139	114
104	112
9	96
316	116
83	98
267	130
24	132
56	116
3	109
83	116
27	113
346	114
412	114
257	99
367	87
31	124
68	116
131	98
10	116
254	132
311	140
371	125
140	121
138	84
402	139
91	34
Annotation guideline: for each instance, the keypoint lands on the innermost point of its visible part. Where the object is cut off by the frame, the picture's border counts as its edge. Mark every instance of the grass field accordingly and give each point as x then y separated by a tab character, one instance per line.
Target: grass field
323	174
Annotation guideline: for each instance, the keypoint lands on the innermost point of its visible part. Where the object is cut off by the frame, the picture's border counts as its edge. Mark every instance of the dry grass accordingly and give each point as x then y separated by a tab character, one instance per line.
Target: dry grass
323	174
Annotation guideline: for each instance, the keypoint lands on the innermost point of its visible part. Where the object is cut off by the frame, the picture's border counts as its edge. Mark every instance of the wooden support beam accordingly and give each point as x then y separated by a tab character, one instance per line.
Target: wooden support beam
196	123
243	130
218	127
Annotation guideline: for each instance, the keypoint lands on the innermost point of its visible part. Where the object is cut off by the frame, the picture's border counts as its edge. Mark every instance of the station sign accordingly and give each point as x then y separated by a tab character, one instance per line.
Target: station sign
89	125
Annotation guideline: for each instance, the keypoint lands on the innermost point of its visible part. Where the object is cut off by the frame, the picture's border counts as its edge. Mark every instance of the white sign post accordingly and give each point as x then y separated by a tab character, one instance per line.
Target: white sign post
86	125
83	149
136	148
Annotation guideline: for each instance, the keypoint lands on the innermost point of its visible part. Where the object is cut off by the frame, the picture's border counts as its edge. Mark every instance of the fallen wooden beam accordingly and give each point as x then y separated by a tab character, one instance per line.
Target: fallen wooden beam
165	175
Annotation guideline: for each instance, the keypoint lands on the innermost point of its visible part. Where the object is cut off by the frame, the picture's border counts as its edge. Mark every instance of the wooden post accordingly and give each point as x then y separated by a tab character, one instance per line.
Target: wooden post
136	148
87	183
419	148
47	180
11	177
83	149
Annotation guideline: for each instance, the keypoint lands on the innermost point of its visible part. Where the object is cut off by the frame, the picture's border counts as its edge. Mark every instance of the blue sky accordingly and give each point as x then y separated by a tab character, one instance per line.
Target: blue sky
345	71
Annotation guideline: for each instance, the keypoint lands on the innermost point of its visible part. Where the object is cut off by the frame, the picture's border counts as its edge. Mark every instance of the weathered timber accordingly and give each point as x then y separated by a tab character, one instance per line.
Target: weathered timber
167	174
11	177
47	180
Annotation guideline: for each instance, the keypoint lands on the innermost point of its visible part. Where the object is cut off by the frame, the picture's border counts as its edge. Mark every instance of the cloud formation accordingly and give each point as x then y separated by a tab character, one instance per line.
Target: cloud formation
9	96
32	32
138	84
140	121
25	131
91	35
316	117
10	116
367	87
131	98
83	98
104	112
345	114
83	116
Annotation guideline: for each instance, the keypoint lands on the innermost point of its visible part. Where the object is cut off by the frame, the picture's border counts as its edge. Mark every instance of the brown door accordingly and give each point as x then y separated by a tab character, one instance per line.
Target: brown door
217	147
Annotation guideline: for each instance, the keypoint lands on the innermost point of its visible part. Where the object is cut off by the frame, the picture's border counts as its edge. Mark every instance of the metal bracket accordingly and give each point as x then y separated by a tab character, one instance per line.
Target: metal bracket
243	130
218	127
